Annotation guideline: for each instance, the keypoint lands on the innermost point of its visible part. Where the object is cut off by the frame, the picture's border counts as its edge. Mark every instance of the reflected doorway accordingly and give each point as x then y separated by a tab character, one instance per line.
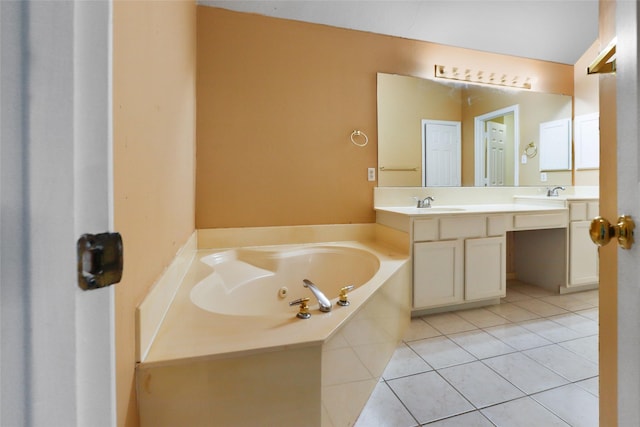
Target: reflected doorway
496	148
441	153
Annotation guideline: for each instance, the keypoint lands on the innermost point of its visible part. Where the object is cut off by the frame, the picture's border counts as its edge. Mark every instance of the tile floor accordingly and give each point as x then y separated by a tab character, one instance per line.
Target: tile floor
530	361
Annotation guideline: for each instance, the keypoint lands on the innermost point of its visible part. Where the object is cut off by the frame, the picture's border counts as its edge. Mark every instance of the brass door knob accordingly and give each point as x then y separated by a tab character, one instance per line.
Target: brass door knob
601	231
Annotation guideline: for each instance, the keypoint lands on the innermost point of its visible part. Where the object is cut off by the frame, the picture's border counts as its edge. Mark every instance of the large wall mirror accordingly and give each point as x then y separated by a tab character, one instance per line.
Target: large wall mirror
432	133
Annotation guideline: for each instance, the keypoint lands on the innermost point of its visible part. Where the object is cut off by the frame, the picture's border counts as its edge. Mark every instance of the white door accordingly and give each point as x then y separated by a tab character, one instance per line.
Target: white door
628	166
496	153
56	350
442	151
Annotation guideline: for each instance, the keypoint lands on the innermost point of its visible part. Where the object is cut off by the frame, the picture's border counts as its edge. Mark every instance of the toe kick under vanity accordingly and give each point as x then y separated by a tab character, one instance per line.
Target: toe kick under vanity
463	254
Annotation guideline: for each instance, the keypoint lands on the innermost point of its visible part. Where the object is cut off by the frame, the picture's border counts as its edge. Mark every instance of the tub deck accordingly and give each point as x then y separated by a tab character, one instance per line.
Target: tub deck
189	332
206	369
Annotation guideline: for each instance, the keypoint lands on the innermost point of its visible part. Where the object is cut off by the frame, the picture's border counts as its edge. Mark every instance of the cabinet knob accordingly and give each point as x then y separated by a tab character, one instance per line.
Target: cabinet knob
601	231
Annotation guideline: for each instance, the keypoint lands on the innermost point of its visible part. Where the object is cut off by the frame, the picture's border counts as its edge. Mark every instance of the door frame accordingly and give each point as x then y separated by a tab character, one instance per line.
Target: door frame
480	149
58	355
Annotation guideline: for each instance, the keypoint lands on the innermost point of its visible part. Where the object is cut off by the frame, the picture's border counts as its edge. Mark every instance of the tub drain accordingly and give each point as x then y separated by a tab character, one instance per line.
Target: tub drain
283	291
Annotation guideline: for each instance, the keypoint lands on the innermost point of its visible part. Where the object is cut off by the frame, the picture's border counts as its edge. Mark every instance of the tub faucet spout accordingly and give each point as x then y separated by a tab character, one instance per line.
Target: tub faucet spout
323	301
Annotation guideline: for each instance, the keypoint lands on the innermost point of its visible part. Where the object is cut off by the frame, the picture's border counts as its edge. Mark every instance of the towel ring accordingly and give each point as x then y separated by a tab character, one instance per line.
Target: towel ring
531	150
357	133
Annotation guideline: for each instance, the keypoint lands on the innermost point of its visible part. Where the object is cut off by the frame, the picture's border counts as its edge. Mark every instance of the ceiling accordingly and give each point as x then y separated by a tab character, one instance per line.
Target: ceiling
551	30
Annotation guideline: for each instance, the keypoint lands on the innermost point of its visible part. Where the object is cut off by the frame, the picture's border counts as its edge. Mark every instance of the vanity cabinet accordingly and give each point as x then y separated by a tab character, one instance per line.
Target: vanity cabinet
437	273
484	268
583	254
458	260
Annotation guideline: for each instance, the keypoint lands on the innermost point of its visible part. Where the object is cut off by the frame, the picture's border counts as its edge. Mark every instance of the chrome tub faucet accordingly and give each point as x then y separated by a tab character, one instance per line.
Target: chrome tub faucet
323	301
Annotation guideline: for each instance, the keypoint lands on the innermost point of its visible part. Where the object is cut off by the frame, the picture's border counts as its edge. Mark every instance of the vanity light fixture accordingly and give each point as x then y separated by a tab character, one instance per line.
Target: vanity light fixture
468	75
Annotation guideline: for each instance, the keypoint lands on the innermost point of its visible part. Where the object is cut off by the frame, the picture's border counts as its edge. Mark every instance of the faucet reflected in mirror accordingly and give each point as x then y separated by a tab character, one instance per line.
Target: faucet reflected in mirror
405	102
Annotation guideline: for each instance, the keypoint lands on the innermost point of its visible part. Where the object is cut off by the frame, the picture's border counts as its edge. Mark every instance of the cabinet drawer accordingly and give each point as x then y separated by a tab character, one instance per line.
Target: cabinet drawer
456	228
578	211
496	225
425	229
593	210
533	221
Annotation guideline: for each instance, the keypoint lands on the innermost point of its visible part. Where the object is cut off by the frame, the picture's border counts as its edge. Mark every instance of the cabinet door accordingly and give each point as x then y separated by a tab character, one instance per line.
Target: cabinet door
485	268
437	273
583	255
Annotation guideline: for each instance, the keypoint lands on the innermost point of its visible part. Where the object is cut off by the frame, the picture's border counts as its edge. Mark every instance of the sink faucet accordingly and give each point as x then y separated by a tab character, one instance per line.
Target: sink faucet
424	203
323	301
553	192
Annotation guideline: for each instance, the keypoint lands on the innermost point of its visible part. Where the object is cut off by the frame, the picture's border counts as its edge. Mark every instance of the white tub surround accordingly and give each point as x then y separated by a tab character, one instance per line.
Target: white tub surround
208	368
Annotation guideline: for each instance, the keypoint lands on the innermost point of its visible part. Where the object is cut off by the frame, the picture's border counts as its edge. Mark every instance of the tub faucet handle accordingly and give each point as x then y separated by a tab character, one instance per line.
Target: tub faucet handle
304	308
343	298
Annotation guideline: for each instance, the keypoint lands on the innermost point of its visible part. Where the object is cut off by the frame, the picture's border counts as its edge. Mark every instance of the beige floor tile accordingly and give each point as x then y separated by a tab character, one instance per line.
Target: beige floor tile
523	412
384	409
512	312
571	403
518	337
429	397
449	323
482	318
525	373
480	385
563	362
481	344
405	362
470	419
568	302
550	330
540	307
534	343
440	352
419	329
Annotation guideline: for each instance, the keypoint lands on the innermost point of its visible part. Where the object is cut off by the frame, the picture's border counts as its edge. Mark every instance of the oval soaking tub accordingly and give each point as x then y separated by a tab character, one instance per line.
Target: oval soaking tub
250	282
231	351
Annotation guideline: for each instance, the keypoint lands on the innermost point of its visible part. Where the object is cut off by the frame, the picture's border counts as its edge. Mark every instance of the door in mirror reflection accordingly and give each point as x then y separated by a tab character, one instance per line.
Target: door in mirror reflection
442	157
496	140
496	153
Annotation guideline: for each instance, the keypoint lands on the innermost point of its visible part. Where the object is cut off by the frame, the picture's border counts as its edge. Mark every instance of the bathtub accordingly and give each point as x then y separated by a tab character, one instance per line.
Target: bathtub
231	350
262	281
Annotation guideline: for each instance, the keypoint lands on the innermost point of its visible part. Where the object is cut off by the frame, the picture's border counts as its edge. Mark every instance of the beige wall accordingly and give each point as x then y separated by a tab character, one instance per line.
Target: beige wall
277	101
154	158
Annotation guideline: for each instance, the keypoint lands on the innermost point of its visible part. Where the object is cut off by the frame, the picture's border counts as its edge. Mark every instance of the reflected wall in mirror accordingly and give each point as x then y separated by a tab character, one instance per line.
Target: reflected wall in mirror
405	103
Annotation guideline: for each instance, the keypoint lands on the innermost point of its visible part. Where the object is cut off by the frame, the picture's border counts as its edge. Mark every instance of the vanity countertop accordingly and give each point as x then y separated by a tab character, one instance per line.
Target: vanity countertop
563	198
473	209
